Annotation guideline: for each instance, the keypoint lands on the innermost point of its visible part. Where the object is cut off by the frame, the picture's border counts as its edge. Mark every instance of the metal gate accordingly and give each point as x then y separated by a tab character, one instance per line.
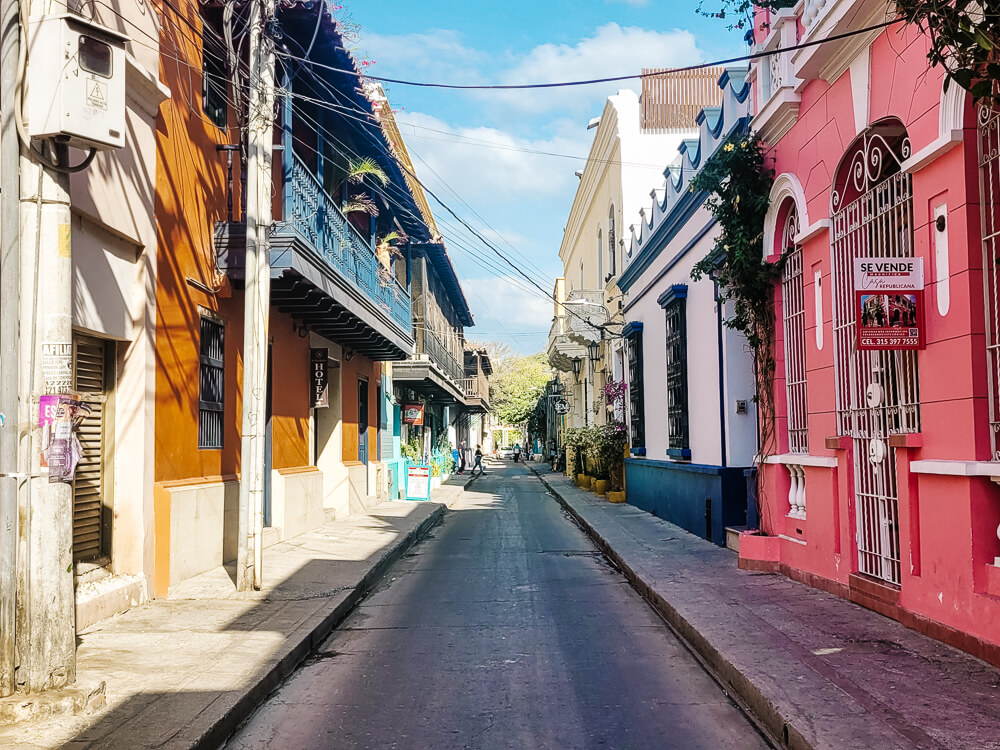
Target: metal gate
989	204
877	392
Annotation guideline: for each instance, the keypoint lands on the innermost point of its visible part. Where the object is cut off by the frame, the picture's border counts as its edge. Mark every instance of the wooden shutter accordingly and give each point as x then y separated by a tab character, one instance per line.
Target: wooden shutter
90	381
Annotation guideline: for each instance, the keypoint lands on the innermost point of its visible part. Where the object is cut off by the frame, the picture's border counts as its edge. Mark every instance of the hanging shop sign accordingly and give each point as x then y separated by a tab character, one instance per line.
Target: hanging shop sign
319	360
418	482
413	414
562	406
889	303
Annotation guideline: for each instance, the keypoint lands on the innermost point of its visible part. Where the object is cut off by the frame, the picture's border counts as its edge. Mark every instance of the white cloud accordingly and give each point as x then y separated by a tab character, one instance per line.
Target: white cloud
501	304
484	164
437	55
612	50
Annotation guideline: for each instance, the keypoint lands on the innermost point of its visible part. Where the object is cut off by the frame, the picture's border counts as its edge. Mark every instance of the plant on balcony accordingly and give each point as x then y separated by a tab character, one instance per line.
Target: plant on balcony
963	41
386	252
738	182
357	172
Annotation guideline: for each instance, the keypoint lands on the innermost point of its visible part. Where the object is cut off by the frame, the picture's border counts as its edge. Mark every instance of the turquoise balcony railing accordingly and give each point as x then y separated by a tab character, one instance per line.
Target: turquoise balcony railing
314	215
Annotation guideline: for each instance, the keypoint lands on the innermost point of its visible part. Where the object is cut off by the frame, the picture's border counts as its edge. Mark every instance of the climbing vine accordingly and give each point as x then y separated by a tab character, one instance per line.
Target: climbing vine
963	40
738	182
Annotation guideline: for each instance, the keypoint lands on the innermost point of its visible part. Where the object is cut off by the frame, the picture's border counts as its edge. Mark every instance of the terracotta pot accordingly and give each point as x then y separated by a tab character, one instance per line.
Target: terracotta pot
616	497
600	486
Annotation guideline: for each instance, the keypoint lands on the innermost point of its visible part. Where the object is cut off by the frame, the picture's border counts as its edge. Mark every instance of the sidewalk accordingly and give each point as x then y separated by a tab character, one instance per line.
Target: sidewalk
185	671
817	671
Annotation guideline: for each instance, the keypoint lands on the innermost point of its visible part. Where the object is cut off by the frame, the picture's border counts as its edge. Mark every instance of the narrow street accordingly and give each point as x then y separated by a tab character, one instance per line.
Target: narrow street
505	628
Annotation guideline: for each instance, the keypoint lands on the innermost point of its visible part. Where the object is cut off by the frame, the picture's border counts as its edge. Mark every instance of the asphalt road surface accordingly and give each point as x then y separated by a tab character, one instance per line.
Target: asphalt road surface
504	629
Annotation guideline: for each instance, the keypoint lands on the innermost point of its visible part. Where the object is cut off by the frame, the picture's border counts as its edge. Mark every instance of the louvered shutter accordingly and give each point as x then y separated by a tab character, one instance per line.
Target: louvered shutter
90	381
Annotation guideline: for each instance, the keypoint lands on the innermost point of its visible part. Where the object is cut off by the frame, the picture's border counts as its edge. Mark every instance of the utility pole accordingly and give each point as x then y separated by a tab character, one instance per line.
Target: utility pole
10	189
46	626
257	297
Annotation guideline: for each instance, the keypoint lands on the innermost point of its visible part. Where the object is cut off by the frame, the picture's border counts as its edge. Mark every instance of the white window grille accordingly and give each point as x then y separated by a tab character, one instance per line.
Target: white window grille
989	206
877	393
793	308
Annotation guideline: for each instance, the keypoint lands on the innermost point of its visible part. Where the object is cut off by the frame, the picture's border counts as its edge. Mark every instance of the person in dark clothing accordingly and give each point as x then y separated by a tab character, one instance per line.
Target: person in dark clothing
461	457
479	461
517	452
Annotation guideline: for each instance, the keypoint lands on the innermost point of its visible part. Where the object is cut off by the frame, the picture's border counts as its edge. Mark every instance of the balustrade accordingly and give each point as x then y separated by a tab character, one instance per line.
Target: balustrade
811	10
315	216
796	491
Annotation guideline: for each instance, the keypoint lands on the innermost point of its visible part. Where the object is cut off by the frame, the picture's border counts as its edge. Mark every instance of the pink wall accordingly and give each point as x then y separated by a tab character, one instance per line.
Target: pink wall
947	524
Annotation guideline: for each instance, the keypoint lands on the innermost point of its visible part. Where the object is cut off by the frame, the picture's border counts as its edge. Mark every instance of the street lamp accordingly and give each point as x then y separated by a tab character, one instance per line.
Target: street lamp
595	350
576	367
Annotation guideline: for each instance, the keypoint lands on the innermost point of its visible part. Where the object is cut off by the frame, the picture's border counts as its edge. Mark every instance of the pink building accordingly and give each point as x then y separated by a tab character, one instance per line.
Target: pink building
883	484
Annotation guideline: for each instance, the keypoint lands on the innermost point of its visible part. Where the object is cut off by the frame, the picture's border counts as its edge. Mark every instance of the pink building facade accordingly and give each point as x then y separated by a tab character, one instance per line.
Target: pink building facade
884	482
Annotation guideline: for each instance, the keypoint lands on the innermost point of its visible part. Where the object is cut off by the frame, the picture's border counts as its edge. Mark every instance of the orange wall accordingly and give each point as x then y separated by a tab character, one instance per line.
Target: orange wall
359	367
190	199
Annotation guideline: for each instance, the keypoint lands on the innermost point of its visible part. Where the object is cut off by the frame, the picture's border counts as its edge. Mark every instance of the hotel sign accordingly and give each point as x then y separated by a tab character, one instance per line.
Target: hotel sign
319	377
889	303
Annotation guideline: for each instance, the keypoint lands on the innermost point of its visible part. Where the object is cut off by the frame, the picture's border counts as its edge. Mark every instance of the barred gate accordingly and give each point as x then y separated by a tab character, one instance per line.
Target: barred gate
989	189
877	393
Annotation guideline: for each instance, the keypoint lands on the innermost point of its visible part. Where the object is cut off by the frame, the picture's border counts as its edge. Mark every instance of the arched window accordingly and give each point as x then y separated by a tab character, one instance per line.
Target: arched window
877	396
793	319
612	243
600	259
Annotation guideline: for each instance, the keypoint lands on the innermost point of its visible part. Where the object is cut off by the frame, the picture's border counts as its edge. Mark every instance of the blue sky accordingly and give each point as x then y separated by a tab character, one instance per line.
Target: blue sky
474	149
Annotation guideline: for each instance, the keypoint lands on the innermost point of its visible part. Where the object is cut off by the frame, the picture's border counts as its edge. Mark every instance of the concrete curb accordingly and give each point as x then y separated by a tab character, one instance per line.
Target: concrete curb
750	697
300	644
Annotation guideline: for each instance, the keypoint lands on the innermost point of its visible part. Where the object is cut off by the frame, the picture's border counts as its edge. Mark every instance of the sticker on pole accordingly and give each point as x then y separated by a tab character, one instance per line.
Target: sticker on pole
889	303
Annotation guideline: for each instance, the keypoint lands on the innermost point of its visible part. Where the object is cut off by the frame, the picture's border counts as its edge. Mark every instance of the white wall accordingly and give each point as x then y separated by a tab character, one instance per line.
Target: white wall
702	357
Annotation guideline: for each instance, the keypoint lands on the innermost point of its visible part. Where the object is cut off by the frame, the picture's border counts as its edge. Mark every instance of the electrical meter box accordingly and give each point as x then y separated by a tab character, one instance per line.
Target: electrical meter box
74	88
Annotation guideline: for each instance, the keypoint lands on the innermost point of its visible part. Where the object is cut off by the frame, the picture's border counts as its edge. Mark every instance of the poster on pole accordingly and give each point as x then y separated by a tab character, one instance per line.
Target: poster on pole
889	303
418	482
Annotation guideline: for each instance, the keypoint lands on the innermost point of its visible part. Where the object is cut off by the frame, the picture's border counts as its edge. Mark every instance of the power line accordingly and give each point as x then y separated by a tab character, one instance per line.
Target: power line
608	79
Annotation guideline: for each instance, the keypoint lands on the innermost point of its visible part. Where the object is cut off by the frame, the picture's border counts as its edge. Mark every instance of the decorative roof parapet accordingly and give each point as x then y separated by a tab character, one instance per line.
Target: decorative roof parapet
715	124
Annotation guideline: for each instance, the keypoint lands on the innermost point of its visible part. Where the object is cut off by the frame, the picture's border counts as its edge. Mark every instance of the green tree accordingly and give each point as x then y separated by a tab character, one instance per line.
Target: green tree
515	389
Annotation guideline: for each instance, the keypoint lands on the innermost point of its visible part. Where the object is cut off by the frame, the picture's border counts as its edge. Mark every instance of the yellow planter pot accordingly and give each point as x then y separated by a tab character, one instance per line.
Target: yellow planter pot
582	480
616	497
600	486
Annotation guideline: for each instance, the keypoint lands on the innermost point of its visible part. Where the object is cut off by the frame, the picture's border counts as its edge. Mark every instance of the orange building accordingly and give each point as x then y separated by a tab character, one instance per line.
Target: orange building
344	218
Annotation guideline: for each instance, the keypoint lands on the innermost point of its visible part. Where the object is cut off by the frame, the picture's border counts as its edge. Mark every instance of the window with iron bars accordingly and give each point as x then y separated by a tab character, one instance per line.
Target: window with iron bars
989	186
678	435
793	318
211	377
214	69
636	415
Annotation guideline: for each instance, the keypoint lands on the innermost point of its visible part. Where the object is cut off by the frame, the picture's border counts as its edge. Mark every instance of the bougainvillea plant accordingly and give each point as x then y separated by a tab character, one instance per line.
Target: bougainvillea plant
738	182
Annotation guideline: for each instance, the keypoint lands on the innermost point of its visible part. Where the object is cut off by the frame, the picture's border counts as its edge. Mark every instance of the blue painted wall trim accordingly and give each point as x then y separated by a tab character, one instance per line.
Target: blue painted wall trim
638	451
633	326
675	291
677	492
683	210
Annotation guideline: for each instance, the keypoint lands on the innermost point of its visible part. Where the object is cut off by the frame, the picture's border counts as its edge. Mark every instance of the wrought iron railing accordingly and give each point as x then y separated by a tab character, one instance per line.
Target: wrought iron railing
311	212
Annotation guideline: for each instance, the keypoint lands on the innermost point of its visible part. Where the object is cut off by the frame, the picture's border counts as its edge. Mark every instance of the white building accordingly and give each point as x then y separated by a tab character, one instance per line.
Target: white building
692	417
625	162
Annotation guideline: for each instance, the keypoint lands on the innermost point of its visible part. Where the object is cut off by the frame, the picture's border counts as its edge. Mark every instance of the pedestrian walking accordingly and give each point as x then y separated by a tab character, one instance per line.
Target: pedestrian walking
517	452
455	454
479	461
461	457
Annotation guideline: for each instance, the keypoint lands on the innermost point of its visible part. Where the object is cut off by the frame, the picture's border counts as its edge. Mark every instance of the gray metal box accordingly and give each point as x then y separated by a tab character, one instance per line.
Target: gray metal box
74	87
